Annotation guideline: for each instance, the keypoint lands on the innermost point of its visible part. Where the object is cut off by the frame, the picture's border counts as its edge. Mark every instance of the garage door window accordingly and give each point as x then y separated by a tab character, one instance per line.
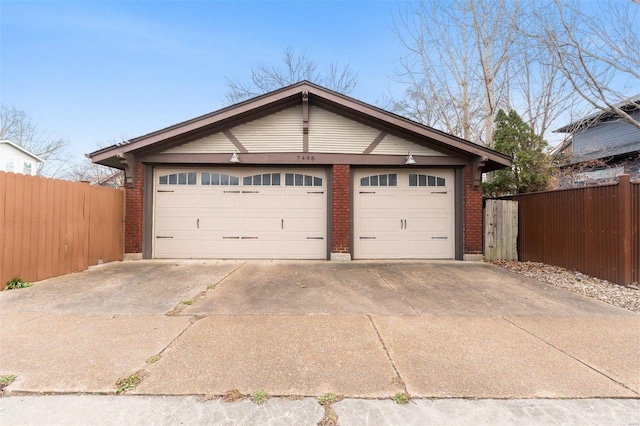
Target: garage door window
296	179
425	180
219	179
390	179
178	179
265	179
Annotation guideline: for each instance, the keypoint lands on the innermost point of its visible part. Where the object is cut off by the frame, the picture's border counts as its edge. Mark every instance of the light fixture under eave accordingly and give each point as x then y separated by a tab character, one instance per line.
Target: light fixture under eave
409	161
234	157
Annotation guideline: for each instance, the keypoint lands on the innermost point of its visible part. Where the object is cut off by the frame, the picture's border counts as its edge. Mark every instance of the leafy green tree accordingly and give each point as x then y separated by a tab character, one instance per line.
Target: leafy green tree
531	170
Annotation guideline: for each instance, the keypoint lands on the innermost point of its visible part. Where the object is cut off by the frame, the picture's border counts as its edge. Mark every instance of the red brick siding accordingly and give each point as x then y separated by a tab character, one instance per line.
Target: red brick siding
472	214
341	240
133	213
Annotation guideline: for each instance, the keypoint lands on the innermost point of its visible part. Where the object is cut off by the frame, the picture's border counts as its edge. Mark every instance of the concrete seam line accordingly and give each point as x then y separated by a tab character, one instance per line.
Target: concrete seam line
29	320
570	356
230	273
386	351
396	291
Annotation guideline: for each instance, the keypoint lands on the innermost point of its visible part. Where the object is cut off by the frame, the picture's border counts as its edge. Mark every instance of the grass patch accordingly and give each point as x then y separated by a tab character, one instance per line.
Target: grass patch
401	398
152	359
327	399
188	302
128	384
211	287
15	283
6	380
259	397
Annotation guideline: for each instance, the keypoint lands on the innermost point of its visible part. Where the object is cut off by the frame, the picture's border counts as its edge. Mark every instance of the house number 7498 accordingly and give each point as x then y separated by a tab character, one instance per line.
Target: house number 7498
306	158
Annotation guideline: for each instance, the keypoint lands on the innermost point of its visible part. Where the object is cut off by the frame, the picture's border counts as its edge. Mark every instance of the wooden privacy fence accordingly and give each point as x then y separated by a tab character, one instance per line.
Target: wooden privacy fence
501	230
51	227
594	230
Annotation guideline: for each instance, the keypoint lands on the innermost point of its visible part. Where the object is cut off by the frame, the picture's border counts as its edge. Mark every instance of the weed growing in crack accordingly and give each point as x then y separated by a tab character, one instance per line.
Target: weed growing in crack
128	384
401	398
259	397
211	287
16	283
152	359
327	399
6	380
188	302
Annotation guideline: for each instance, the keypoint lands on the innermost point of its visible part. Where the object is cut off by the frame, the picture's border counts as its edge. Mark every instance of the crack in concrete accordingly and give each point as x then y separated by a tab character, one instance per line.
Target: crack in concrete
396	291
180	306
570	356
386	351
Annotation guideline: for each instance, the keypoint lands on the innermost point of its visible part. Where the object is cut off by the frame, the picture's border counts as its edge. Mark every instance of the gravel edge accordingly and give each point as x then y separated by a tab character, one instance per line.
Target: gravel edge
614	294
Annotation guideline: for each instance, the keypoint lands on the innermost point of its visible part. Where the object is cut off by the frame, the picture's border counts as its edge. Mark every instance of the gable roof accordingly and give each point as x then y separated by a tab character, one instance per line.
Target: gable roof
628	106
19	148
288	96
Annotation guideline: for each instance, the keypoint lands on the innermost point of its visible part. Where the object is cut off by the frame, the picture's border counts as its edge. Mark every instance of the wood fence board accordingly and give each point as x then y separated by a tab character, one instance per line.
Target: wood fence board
3	190
591	229
45	226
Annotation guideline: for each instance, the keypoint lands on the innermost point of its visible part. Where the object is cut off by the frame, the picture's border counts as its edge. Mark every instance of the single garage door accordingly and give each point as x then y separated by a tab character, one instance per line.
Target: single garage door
404	214
240	213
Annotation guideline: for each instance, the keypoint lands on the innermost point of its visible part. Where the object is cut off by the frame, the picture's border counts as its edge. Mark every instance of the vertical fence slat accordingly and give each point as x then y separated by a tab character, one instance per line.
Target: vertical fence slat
39	217
593	230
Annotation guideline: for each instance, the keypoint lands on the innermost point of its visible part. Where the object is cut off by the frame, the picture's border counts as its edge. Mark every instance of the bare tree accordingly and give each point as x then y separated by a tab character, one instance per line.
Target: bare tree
596	50
18	127
95	174
295	67
456	53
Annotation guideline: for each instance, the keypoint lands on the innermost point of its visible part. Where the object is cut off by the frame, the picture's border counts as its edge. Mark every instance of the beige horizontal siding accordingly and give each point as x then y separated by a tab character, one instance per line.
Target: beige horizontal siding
393	145
216	144
279	132
329	132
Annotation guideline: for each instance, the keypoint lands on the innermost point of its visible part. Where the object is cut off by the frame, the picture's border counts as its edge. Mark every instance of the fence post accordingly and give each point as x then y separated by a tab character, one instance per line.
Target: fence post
624	229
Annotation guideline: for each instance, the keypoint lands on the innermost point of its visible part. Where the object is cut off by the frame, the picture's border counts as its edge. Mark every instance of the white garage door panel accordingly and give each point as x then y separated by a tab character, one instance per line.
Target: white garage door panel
245	220
404	214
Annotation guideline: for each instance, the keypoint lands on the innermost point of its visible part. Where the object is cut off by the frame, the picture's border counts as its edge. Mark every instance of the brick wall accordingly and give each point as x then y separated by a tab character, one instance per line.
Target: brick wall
472	214
133	213
340	241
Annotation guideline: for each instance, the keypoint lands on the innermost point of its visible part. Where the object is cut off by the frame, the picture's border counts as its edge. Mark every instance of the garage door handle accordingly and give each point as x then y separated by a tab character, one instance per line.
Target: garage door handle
248	238
230	238
250	192
231	192
198	223
315	192
161	236
405	224
439	238
315	238
439	192
164	190
367	238
401	224
367	192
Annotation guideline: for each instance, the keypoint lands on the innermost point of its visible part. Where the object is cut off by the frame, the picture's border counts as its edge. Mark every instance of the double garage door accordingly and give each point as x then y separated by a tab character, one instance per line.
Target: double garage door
240	213
282	213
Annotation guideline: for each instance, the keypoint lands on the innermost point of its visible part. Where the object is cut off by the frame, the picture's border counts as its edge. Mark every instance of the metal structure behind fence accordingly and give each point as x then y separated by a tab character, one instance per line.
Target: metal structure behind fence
594	230
51	227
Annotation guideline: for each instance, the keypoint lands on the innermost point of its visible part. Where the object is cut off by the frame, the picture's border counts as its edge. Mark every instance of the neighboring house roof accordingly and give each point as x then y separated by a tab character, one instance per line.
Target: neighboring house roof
19	148
628	105
601	135
288	96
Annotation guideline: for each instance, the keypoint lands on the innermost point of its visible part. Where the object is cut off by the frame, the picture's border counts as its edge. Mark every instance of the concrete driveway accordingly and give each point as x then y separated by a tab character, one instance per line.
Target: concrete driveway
360	329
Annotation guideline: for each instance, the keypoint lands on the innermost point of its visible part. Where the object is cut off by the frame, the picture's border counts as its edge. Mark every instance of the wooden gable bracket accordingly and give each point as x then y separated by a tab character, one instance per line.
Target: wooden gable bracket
305	121
129	161
477	166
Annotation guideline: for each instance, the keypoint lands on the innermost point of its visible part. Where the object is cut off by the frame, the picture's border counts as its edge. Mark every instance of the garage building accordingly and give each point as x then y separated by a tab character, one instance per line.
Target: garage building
302	173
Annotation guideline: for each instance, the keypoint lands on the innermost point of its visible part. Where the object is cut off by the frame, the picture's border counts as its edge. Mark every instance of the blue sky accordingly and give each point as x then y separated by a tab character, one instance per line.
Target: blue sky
95	71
